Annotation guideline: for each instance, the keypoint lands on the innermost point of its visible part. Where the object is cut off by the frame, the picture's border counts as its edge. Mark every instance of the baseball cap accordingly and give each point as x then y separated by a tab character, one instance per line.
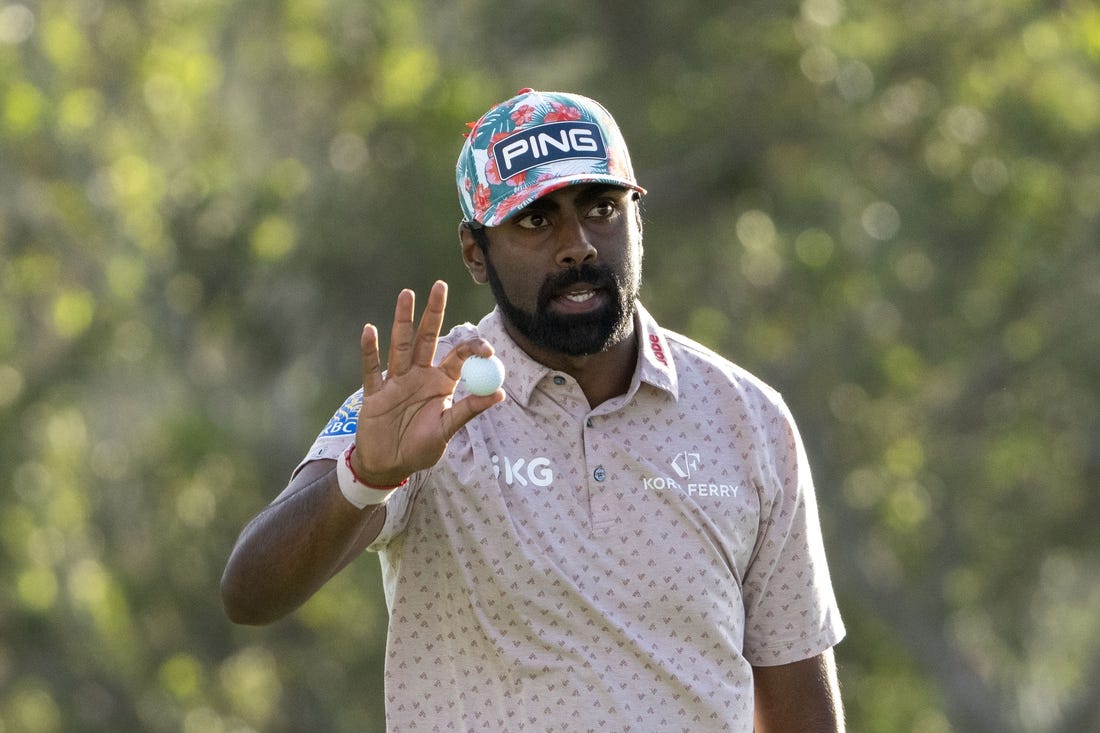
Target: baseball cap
533	144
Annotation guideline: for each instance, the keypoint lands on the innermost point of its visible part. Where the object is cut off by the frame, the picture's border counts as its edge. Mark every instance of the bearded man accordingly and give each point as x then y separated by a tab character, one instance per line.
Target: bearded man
624	537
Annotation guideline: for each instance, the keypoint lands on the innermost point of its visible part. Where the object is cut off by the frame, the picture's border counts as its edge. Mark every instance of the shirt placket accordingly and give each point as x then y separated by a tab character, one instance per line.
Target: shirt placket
603	472
592	464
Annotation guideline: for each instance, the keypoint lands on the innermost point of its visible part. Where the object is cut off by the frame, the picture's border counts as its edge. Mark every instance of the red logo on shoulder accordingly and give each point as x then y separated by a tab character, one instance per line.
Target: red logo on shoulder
658	350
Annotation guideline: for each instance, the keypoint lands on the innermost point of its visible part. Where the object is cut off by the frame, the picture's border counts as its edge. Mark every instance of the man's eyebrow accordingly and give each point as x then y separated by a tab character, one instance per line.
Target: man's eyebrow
589	193
596	190
543	203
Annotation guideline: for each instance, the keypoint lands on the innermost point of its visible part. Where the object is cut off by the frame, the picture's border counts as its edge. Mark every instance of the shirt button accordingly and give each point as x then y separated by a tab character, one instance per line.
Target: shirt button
588	422
599	474
559	380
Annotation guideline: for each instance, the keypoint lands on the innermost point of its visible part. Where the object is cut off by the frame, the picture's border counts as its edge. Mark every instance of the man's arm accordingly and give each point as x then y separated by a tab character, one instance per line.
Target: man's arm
406	419
295	546
802	697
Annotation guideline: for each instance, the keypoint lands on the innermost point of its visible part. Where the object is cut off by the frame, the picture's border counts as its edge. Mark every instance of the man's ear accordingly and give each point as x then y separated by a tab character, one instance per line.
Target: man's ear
637	198
472	254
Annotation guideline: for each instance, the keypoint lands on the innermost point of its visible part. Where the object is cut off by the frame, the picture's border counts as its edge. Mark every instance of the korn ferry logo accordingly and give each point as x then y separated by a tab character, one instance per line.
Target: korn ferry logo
685	465
548	144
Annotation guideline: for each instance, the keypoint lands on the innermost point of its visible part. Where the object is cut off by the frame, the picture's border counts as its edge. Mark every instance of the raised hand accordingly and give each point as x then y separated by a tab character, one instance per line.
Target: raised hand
408	414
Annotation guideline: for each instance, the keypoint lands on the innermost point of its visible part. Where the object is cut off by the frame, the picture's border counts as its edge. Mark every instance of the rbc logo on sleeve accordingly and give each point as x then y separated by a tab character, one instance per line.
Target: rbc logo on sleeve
549	143
346	419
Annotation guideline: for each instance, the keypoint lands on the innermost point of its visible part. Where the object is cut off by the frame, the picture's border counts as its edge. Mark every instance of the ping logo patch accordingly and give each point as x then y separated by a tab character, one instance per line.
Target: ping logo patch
549	143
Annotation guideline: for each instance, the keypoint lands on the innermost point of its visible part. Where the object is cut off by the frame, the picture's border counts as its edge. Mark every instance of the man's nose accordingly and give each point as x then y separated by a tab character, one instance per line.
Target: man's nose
574	246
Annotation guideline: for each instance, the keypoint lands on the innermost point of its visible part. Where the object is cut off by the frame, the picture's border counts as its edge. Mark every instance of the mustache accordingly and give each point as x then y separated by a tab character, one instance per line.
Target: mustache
598	276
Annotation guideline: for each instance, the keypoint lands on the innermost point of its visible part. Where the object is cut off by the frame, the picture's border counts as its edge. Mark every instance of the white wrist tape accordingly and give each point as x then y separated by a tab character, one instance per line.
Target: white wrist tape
360	494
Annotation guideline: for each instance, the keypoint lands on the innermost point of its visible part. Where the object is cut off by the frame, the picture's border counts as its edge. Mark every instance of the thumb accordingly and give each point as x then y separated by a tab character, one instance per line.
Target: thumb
470	407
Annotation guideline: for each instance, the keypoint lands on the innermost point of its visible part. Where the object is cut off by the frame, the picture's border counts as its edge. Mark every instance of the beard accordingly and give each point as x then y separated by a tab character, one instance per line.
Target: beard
574	334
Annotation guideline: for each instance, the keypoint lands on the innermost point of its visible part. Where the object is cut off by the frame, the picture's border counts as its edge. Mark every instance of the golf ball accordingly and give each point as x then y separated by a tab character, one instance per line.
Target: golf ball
482	376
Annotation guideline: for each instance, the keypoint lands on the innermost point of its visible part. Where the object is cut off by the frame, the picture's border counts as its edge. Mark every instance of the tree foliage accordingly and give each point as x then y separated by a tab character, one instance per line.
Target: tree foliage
888	210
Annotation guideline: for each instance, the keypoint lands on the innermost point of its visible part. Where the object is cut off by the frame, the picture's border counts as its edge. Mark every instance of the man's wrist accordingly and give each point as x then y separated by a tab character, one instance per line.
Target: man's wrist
357	491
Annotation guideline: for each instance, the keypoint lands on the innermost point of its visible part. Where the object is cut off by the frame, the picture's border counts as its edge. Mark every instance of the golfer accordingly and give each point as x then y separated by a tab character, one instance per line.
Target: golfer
624	537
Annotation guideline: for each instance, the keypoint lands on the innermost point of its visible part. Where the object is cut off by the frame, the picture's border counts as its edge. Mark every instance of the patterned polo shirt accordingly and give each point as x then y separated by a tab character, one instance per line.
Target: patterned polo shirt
564	568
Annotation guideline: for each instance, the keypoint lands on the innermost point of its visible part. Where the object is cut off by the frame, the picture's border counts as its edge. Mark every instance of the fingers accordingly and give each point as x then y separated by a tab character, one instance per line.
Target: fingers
427	334
452	362
402	334
411	346
372	365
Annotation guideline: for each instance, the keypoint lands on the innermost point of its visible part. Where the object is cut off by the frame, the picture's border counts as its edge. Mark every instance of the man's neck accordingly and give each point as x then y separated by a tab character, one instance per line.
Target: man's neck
601	376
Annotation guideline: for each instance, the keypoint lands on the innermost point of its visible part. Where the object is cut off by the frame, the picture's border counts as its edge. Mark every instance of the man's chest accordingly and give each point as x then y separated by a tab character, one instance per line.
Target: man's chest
652	483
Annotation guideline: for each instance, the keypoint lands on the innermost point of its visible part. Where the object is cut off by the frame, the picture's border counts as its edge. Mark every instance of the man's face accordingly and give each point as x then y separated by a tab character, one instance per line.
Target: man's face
565	270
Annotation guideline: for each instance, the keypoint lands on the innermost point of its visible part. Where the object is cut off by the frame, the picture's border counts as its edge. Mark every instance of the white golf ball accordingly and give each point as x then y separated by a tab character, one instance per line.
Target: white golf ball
482	376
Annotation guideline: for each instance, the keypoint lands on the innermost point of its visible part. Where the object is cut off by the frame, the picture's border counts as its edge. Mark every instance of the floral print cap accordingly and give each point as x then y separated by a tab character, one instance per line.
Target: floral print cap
533	144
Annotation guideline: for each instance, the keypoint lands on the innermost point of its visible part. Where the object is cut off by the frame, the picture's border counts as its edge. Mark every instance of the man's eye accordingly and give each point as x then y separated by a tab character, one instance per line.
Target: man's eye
534	220
603	209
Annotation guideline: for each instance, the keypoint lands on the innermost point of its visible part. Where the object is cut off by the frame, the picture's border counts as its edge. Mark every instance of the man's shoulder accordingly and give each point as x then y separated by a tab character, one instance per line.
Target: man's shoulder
689	354
693	349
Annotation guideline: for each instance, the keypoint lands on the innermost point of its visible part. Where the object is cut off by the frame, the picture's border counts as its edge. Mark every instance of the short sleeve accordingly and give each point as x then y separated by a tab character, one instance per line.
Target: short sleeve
338	434
790	606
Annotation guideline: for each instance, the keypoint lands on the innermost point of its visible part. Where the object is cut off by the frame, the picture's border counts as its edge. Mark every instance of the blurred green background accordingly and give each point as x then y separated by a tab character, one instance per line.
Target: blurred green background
888	210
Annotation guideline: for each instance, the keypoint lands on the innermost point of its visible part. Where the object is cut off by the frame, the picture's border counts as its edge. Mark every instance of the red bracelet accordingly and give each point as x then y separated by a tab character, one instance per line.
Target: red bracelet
355	476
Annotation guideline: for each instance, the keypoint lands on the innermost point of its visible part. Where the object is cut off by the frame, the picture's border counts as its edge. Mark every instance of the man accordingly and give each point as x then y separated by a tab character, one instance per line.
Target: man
623	538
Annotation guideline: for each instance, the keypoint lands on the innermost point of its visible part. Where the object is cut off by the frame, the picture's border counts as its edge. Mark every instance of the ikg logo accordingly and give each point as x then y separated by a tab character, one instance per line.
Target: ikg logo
521	472
548	143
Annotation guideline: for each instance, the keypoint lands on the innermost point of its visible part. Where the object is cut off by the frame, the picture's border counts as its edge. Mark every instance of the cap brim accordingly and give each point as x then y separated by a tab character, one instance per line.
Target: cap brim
543	188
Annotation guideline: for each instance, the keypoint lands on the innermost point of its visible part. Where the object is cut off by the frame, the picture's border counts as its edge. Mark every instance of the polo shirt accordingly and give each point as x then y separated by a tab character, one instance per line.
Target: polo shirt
568	568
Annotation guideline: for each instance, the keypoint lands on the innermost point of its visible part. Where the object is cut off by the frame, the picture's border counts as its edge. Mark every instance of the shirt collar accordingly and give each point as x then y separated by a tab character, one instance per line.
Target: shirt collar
655	364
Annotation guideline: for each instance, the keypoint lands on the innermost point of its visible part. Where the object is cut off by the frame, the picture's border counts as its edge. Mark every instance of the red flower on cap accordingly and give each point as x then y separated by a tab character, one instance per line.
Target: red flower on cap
523	114
491	175
562	113
517	199
482	198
